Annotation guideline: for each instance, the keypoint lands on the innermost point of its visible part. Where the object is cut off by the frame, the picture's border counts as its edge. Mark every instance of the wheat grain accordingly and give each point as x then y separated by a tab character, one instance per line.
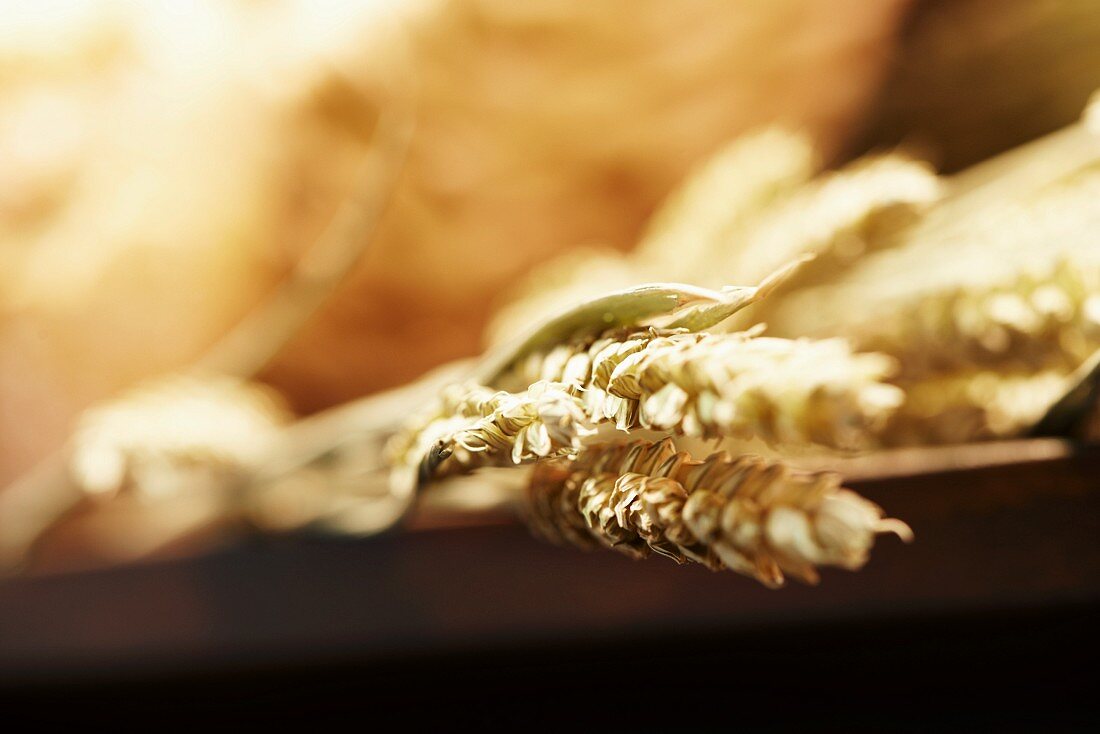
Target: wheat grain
746	514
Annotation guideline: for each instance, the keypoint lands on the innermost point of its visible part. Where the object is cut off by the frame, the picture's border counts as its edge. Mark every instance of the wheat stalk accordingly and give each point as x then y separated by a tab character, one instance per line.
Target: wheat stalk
745	514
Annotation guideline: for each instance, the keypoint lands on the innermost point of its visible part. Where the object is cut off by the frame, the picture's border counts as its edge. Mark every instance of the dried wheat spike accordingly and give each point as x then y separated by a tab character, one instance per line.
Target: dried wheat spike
713	206
1042	319
175	434
972	405
745	514
784	391
695	224
1004	230
743	214
473	426
837	217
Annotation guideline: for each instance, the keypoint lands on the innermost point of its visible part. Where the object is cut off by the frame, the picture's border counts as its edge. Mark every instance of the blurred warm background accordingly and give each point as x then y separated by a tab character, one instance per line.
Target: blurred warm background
163	166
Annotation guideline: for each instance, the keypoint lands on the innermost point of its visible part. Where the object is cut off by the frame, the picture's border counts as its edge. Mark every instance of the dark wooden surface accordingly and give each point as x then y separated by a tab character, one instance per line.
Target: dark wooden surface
1014	533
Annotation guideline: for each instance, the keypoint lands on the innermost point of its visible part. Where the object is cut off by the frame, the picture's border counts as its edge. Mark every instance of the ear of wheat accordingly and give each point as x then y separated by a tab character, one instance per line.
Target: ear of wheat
795	392
972	405
672	305
716	385
708	211
986	311
1006	234
837	217
170	435
678	378
744	213
1001	273
1049	318
752	516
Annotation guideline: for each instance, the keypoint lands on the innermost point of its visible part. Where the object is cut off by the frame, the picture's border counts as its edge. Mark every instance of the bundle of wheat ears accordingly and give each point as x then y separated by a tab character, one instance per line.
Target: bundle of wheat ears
649	359
901	309
876	305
